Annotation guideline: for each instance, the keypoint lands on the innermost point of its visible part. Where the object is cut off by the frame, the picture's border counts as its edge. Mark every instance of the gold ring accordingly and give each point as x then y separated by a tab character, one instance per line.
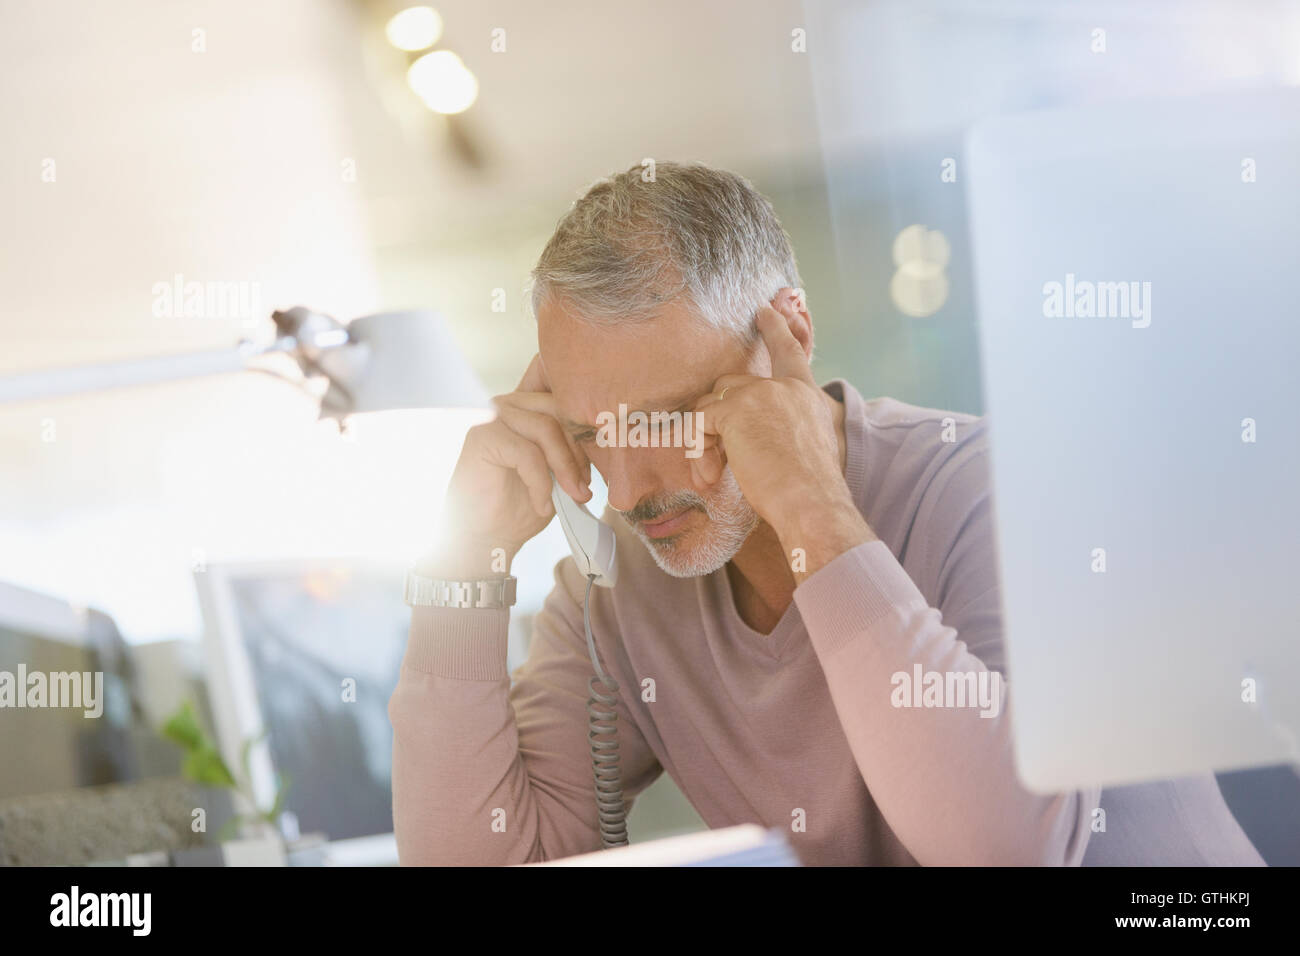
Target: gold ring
724	393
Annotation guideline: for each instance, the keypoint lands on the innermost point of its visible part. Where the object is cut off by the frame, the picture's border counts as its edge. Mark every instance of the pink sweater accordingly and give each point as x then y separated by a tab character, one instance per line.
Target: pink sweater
796	726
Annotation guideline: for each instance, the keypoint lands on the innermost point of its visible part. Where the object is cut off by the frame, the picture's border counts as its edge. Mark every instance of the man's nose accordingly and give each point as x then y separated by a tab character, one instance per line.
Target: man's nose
629	478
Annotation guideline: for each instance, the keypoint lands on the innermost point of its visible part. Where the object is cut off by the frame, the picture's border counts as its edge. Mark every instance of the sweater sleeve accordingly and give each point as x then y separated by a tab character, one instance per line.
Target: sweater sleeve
486	771
943	777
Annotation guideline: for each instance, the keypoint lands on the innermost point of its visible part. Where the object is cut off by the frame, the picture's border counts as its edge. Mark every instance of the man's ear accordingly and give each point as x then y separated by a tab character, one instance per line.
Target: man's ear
791	304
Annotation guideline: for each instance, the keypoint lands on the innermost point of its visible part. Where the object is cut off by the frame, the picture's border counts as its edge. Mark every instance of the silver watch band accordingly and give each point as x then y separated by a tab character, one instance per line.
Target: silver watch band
438	592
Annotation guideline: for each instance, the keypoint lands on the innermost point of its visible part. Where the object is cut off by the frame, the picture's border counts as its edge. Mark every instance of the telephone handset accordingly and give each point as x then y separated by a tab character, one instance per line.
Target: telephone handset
591	540
593	545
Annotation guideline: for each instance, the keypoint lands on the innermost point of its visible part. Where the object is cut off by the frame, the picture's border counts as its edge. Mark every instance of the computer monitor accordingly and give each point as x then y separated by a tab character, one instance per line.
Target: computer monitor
60	746
309	652
1134	265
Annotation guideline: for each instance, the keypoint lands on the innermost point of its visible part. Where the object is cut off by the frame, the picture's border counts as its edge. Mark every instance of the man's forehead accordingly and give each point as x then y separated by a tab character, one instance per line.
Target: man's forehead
659	402
584	378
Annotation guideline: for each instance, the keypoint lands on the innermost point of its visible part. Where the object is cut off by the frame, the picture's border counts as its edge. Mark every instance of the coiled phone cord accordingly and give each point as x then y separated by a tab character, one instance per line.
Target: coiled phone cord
601	715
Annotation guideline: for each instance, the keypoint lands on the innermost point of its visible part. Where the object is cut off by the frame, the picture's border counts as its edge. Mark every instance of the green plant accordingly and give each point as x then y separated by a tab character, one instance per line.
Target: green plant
203	765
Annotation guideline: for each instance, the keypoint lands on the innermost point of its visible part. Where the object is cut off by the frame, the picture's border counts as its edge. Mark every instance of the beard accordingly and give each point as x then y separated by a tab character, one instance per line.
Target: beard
701	550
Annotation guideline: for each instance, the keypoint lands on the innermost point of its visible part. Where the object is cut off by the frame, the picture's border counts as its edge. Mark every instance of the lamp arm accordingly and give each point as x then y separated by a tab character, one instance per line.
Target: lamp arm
377	362
51	383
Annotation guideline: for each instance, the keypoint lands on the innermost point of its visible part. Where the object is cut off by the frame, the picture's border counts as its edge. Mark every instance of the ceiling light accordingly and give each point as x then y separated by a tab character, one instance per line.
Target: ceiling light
415	28
444	83
920	284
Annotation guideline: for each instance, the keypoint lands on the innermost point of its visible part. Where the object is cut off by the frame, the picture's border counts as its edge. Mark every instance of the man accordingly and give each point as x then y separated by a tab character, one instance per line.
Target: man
779	584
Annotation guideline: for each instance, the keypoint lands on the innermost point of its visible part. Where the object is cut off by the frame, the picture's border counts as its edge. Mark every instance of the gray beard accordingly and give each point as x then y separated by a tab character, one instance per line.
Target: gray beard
731	521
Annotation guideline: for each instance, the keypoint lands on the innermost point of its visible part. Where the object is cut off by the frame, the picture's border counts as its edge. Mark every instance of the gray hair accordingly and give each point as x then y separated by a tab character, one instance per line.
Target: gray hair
686	233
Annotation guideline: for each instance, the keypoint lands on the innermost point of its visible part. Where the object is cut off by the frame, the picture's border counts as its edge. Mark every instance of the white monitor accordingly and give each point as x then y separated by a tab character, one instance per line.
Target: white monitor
1135	270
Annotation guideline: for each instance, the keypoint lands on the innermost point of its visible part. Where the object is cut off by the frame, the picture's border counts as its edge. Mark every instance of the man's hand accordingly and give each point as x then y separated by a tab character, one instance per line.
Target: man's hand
779	436
500	493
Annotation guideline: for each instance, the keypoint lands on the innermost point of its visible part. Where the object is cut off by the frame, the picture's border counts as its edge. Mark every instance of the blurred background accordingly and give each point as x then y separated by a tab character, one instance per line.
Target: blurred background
355	156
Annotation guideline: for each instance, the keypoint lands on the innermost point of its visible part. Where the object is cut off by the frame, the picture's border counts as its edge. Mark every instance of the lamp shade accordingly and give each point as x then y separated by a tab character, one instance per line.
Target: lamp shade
400	360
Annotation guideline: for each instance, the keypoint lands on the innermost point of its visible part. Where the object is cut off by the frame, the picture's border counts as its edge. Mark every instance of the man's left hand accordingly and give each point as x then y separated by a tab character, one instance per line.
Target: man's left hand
779	436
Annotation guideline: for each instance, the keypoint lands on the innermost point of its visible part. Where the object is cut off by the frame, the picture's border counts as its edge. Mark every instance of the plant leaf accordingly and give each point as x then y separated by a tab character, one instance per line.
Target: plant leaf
204	765
183	728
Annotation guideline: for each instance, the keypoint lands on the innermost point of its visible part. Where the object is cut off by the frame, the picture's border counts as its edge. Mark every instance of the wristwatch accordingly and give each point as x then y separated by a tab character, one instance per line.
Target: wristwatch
438	592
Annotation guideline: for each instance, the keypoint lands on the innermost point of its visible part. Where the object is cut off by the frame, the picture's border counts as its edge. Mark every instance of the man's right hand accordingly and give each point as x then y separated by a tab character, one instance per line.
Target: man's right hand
500	493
